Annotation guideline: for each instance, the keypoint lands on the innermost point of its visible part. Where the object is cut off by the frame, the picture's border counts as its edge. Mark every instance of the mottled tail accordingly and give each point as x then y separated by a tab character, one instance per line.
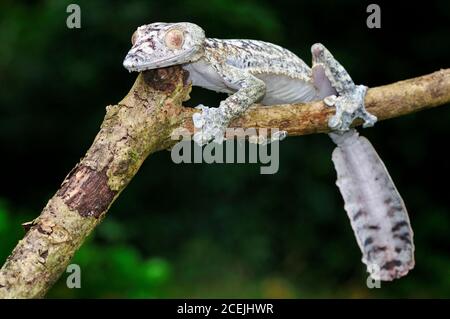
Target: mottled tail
376	210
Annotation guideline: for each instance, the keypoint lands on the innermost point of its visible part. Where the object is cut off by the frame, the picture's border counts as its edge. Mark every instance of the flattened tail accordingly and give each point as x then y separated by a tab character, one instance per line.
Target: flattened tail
374	206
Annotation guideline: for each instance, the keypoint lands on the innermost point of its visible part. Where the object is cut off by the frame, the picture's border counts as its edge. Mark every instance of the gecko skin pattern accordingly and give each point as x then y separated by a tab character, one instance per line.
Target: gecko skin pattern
255	71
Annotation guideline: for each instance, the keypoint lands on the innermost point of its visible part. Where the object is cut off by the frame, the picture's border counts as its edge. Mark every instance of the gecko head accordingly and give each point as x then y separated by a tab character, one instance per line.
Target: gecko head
159	45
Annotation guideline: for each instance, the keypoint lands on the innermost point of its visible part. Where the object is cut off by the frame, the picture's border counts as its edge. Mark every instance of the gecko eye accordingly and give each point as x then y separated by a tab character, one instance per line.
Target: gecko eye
174	39
134	37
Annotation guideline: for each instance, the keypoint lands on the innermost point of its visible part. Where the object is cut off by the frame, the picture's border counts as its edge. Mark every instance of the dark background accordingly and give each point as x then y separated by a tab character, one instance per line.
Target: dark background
221	230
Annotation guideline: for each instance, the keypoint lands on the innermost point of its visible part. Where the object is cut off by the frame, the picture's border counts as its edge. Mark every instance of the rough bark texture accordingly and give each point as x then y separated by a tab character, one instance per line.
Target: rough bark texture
131	130
141	124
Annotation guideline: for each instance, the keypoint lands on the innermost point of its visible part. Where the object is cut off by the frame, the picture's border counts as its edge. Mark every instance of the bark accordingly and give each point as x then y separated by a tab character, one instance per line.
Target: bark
142	124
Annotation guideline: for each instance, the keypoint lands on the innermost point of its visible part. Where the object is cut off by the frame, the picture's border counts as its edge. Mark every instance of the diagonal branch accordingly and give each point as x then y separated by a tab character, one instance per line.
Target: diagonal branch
142	124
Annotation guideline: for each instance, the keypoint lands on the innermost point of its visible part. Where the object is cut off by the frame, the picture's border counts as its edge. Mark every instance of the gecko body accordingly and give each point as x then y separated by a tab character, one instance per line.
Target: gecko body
286	77
256	71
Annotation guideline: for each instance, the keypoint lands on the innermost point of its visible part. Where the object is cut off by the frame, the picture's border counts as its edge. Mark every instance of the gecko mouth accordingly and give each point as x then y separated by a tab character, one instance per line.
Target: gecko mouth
134	63
136	66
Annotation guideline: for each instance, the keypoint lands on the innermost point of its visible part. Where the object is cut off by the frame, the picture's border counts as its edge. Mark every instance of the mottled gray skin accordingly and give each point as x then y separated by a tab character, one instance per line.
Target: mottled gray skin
252	71
256	71
375	208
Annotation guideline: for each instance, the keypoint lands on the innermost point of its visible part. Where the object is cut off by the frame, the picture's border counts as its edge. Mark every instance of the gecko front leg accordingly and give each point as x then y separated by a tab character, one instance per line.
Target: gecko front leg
349	102
211	123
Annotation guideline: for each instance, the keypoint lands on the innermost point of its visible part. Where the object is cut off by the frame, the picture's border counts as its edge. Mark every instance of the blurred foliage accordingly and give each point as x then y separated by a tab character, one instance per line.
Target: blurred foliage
220	230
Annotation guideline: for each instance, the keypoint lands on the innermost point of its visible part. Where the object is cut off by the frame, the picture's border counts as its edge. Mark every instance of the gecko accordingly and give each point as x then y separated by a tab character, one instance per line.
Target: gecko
252	71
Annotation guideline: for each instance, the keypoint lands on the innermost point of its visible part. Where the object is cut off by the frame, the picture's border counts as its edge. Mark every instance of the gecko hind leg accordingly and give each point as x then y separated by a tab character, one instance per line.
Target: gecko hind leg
375	208
348	98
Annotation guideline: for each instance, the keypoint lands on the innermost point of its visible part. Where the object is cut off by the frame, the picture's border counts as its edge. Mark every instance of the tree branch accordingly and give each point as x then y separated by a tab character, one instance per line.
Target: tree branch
142	124
388	101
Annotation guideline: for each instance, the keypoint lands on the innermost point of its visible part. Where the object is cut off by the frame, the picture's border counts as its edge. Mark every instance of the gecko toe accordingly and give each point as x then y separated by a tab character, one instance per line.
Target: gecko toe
278	136
335	123
330	100
198	120
369	120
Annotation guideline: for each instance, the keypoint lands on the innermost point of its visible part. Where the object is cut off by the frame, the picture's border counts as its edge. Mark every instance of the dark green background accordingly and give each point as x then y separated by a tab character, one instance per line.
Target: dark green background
221	230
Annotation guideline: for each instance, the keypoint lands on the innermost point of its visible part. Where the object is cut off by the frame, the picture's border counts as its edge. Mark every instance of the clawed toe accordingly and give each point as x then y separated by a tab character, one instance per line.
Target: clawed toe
369	120
349	106
209	125
330	100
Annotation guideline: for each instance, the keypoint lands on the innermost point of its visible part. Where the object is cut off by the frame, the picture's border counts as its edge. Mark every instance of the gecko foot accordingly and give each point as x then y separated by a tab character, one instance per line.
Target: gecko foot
349	106
210	125
277	136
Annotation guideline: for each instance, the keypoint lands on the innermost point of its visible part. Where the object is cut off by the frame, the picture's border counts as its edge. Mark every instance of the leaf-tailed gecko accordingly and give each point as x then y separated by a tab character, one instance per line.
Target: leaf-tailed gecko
256	71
